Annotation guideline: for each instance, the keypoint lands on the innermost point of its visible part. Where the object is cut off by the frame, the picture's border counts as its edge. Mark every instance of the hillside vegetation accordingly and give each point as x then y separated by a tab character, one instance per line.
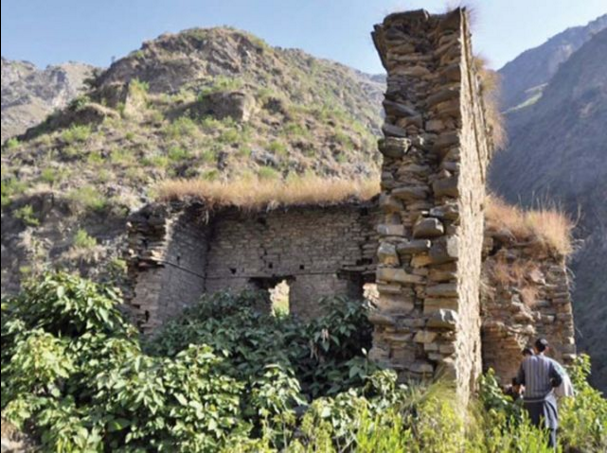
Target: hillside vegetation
203	105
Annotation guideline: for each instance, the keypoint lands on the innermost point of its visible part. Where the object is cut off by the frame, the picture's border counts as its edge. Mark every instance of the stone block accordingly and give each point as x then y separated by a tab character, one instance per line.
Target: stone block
425	336
444	319
390	275
428	228
447	290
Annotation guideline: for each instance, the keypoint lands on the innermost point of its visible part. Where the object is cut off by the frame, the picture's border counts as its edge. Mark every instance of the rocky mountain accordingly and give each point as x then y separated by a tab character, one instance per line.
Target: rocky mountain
210	104
557	154
525	78
30	94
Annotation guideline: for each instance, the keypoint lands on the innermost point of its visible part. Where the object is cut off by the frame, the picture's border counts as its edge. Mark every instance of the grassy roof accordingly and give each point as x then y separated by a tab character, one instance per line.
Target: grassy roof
260	194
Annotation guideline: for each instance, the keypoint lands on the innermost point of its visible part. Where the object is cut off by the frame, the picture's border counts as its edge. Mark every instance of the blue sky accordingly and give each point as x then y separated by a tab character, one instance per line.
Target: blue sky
94	31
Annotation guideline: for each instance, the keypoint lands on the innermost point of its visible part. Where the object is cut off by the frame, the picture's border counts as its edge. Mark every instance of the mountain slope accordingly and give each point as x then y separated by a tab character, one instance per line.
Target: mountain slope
29	94
202	104
525	77
558	154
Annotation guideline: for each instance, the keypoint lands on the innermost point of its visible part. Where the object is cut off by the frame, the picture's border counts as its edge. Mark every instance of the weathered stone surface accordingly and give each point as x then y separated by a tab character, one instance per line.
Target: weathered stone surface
393	146
444	319
411	193
413	247
445	251
397	276
428	228
446	187
391	230
392	131
443	290
425	336
387	255
433	305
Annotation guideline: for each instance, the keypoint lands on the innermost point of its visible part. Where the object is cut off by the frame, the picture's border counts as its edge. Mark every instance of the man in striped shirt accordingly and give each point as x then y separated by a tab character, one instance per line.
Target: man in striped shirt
539	375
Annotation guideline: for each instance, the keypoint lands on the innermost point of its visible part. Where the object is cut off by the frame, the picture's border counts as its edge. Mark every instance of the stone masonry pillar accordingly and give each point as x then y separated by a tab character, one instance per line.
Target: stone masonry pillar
433	189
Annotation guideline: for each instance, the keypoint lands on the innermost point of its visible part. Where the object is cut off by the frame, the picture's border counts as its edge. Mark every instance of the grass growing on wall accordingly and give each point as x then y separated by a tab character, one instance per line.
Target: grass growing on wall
253	193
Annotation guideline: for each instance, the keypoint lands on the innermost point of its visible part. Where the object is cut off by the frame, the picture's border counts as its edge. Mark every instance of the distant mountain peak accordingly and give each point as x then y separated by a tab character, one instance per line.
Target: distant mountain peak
524	77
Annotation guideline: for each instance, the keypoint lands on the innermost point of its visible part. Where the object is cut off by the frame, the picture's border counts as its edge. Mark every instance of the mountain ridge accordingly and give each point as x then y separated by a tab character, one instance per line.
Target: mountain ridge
557	156
524	77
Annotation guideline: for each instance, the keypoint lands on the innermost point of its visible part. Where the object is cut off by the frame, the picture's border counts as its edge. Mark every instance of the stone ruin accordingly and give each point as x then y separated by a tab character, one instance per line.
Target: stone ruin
444	309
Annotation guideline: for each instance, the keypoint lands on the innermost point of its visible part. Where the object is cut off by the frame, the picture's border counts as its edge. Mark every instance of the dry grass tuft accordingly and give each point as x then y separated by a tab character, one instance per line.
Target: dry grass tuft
491	89
256	194
551	228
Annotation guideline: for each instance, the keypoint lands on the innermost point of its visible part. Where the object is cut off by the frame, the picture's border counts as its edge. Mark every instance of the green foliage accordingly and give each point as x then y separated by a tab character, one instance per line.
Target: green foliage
79	103
82	240
76	134
88	198
228	377
278	148
139	87
12	143
178	154
221	84
27	215
584	418
51	176
180	128
268	173
11	188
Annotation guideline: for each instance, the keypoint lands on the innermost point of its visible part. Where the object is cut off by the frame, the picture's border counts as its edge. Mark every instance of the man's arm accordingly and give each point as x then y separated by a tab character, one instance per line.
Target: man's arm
520	377
556	375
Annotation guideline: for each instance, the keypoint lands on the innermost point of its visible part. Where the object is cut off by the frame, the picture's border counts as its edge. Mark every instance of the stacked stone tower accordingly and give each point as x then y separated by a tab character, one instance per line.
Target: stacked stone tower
436	151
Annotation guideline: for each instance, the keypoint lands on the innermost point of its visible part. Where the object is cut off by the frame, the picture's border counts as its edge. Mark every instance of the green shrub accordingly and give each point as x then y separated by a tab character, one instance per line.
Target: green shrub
278	148
76	134
83	240
268	173
584	418
220	84
51	176
180	128
227	376
27	215
12	143
79	103
11	188
178	154
139	87
88	198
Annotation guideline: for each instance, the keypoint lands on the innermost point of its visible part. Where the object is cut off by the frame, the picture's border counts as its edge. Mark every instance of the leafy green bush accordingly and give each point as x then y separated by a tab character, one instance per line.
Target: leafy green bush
12	143
11	187
584	418
82	240
88	198
27	215
226	376
76	371
76	134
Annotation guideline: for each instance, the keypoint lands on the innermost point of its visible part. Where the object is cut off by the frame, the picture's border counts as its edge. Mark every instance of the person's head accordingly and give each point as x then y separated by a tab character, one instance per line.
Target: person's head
528	352
541	346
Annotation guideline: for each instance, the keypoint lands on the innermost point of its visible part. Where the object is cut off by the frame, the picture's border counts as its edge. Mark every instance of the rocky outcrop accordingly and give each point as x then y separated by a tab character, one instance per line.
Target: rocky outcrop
30	94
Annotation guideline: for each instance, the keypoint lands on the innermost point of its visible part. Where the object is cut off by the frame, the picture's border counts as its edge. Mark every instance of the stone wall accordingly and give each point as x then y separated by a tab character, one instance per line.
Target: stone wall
526	295
318	251
433	189
179	252
168	247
